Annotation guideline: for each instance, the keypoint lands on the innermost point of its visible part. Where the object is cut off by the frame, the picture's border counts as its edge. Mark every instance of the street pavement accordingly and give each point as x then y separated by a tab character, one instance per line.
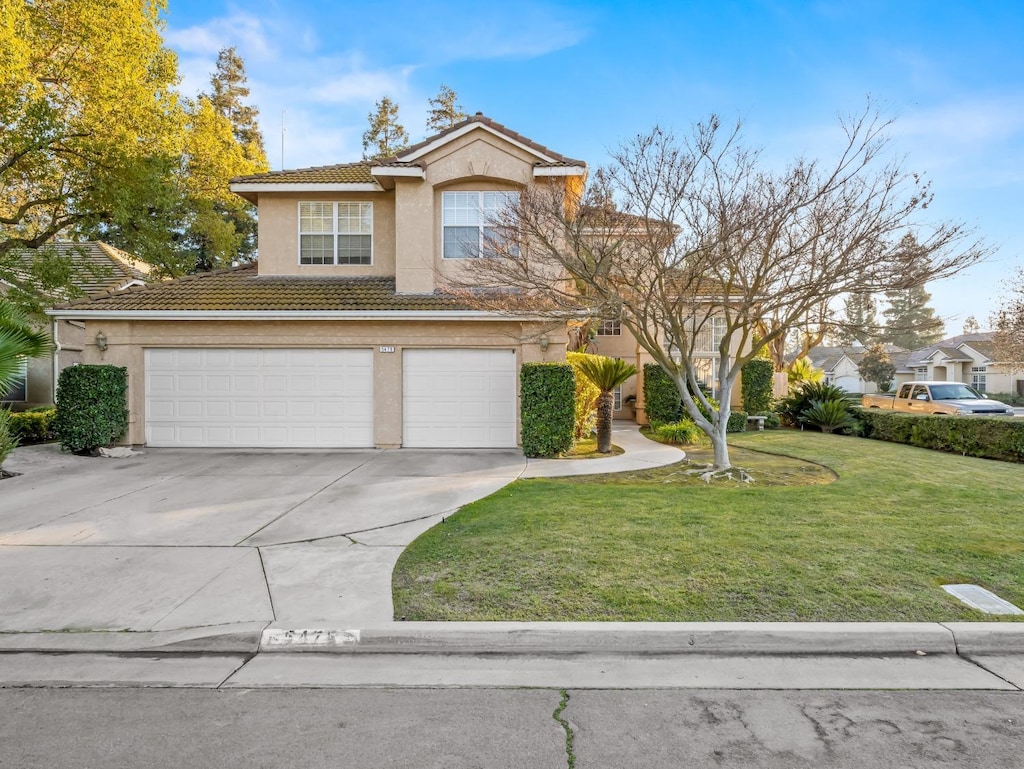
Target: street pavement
498	728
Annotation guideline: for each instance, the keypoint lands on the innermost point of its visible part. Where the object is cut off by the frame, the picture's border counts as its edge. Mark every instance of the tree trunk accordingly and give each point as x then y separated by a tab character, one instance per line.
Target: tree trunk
604	422
722	461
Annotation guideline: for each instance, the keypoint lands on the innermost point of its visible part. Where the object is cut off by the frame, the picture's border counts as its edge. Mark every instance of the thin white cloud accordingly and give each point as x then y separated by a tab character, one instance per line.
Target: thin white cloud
240	29
358	86
970	122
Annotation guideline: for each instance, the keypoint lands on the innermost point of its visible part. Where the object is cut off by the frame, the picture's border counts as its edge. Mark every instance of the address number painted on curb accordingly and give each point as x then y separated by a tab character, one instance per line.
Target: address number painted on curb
277	637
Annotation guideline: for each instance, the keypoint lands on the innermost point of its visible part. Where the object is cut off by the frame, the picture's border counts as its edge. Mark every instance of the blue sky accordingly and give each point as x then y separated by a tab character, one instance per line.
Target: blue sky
582	76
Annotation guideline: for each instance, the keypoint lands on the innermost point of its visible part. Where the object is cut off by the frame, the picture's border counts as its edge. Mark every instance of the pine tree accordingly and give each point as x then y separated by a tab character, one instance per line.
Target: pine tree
910	322
385	136
859	324
224	140
229	90
971	325
444	110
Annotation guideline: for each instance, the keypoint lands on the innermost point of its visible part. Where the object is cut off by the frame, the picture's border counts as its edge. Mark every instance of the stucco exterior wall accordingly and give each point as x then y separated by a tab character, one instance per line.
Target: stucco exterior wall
279	234
127	341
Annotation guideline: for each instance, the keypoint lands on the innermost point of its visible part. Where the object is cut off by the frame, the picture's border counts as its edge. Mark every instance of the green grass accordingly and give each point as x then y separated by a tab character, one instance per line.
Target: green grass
870	538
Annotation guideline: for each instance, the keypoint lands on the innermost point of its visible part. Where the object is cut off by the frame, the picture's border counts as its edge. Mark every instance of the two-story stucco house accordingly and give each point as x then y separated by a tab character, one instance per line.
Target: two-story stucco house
339	337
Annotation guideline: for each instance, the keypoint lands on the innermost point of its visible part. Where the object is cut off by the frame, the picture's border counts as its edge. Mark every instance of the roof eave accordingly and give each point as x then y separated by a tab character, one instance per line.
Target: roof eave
578	170
369	315
244	188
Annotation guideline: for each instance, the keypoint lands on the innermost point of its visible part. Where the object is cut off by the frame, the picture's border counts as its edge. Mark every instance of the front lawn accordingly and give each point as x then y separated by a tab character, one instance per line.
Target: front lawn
871	541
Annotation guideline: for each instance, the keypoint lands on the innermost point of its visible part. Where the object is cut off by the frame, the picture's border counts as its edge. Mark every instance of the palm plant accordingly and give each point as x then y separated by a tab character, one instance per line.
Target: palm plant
829	416
18	340
606	374
801	371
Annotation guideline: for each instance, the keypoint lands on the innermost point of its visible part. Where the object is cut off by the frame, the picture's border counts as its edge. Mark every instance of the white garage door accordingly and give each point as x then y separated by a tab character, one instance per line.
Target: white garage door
459	398
254	398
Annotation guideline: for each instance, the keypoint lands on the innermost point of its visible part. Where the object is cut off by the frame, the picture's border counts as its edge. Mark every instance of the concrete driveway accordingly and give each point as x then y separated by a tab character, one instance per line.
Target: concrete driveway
174	539
187	538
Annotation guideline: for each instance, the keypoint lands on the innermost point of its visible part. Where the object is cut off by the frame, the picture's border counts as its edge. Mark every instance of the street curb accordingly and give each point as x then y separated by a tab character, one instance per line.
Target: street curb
732	638
651	638
238	638
987	637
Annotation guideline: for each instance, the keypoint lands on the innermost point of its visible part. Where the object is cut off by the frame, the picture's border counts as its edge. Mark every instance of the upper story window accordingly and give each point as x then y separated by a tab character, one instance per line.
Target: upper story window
469	222
18	391
609	328
335	233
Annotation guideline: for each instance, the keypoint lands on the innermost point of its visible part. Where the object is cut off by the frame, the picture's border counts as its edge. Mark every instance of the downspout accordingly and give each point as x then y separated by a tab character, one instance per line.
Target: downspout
56	359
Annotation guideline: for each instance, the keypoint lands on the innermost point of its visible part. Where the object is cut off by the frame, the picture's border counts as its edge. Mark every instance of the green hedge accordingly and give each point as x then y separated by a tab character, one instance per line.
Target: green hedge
989	437
737	422
547	399
35	426
661	396
92	407
758	380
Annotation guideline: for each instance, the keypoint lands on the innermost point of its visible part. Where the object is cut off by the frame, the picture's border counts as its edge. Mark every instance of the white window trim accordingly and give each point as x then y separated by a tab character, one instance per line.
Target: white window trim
480	227
24	378
609	328
334	233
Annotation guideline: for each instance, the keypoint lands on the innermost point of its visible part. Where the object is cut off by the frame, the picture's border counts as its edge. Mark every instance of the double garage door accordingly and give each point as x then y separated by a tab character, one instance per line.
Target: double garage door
323	398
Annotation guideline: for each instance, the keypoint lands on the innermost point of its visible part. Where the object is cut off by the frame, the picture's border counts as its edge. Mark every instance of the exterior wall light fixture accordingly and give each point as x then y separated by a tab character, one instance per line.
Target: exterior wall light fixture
101	341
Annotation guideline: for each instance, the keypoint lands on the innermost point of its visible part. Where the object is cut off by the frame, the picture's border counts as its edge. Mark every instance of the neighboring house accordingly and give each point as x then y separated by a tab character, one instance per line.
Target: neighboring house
339	336
841	365
968	358
95	267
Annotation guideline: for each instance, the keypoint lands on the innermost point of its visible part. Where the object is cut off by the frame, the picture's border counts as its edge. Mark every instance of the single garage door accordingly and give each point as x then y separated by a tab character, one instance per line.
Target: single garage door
459	398
259	398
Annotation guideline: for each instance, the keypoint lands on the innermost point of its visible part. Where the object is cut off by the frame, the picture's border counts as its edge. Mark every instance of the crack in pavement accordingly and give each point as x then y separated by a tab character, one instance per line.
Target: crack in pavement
315	494
570	735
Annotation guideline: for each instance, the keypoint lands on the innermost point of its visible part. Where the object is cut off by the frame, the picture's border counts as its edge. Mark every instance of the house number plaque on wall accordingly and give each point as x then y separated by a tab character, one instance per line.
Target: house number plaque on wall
386	349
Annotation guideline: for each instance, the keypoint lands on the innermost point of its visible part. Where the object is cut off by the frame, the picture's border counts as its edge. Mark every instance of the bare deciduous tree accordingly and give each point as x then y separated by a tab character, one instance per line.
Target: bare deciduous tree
706	242
1008	323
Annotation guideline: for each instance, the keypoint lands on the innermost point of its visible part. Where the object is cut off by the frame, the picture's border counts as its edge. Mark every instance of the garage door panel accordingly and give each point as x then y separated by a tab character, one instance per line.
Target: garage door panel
459	398
250	397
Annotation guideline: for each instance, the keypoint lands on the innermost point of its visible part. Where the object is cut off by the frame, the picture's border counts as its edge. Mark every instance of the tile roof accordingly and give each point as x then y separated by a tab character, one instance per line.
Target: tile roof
241	288
95	266
479	117
359	172
340	173
920	356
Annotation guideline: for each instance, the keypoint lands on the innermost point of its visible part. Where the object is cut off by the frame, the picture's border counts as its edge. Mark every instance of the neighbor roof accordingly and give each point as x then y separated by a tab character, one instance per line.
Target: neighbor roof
241	288
95	266
980	341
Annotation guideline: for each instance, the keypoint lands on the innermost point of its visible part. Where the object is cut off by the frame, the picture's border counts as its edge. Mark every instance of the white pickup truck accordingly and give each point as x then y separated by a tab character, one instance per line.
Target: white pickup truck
936	398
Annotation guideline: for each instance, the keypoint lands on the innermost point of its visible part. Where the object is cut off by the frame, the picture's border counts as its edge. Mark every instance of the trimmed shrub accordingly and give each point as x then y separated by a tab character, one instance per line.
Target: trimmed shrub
737	422
683	432
8	442
757	379
547	395
1010	399
35	426
661	396
988	437
587	394
771	420
92	407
